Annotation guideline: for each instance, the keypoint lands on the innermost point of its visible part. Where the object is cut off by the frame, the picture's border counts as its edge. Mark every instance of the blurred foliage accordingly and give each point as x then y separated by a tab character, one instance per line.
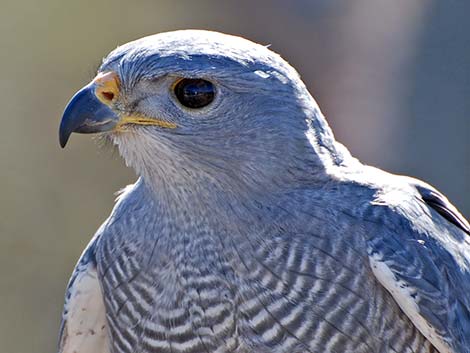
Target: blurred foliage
392	77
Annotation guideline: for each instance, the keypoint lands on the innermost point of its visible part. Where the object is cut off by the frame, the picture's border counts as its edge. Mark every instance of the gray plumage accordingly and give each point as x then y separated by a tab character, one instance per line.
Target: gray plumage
250	229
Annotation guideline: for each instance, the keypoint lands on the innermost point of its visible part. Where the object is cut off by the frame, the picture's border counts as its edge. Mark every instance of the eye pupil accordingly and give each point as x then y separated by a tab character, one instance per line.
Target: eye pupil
194	92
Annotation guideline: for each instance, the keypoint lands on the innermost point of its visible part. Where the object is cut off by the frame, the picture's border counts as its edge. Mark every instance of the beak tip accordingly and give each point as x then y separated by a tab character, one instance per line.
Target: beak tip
64	135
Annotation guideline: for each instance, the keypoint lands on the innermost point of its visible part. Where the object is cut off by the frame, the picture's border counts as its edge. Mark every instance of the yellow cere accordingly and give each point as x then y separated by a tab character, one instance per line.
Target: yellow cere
107	90
107	87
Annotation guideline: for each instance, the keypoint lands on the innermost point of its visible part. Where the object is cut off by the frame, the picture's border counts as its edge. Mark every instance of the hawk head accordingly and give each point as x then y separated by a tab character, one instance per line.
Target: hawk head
200	105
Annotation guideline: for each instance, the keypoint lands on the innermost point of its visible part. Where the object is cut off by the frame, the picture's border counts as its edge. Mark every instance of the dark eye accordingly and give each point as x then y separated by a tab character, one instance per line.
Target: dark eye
194	92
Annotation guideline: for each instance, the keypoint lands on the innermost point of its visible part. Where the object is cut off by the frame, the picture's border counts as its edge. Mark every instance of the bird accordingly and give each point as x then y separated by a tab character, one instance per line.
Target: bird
249	227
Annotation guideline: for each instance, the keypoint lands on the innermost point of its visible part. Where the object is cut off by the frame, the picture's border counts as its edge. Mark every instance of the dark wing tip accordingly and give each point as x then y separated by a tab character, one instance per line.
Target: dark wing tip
441	205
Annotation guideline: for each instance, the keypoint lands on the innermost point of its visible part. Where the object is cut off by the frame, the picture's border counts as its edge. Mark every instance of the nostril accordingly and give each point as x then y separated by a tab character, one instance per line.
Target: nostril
108	95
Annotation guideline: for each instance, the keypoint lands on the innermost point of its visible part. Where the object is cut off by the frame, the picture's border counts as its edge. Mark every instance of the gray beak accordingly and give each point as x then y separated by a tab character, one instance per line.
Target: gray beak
86	114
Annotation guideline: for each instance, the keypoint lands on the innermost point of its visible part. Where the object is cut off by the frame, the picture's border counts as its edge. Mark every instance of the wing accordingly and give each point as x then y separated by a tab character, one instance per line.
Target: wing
419	250
83	326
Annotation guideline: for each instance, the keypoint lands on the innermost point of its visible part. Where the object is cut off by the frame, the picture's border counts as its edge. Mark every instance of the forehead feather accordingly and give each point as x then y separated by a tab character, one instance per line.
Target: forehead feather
193	52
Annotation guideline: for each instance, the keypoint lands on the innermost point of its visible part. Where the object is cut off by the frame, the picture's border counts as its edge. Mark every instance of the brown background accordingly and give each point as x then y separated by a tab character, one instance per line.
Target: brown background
393	77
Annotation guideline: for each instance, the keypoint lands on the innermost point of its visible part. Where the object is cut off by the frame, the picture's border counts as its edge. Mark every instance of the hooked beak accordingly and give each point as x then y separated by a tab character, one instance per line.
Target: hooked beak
89	109
85	114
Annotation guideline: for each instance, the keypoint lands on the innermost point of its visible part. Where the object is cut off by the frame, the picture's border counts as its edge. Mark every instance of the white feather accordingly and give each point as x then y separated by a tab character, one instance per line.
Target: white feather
85	323
403	296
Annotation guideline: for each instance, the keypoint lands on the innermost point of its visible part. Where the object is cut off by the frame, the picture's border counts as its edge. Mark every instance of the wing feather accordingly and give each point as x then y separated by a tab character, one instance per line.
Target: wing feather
83	327
421	255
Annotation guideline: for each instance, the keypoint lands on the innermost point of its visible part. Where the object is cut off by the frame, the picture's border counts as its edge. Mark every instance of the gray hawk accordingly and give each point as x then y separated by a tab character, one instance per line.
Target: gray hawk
250	228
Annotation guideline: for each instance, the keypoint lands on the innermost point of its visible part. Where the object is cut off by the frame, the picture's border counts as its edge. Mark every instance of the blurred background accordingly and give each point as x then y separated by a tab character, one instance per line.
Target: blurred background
392	77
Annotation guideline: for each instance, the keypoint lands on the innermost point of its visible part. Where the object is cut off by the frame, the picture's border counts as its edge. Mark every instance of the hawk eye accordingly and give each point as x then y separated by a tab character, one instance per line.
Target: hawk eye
194	92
